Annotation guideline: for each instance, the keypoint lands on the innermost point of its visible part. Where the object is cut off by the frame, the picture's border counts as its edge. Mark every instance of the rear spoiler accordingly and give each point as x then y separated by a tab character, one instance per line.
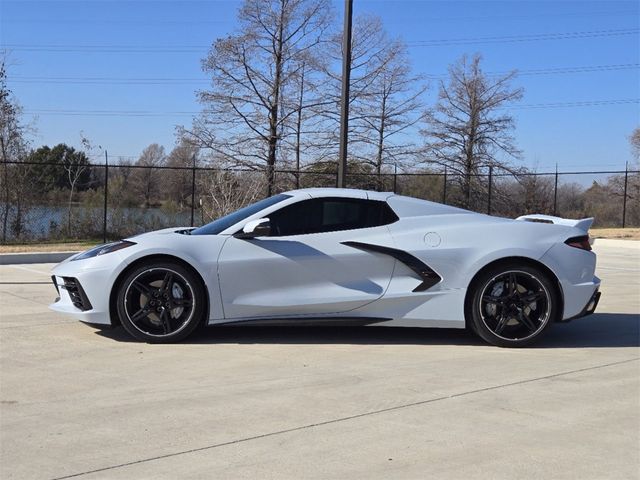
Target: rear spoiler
582	224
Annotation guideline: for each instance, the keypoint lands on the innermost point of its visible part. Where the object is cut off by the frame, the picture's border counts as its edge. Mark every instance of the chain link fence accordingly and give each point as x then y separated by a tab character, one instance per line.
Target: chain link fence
57	203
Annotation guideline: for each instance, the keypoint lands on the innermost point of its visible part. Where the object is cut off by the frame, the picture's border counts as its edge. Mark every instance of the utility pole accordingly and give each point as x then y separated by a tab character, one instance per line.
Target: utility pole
346	79
106	196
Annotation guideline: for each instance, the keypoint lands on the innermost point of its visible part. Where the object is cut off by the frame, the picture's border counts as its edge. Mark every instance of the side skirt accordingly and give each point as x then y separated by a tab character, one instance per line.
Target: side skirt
306	321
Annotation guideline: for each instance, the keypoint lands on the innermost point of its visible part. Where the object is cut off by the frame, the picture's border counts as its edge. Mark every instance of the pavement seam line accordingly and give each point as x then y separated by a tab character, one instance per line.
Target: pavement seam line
24	298
350	417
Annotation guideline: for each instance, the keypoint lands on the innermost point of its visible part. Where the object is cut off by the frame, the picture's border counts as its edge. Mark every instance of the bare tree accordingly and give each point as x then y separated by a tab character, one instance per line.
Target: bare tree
245	111
634	140
183	157
74	164
389	111
468	131
13	148
152	156
369	54
225	191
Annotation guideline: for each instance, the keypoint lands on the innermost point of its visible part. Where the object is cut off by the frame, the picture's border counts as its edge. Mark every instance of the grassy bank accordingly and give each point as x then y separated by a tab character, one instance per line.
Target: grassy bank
47	247
619	233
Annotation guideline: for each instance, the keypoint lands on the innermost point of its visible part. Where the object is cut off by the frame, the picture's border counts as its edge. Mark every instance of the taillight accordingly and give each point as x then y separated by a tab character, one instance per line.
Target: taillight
581	242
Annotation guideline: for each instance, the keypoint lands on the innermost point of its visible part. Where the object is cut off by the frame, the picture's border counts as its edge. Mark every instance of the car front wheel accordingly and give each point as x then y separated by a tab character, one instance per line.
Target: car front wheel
513	306
160	302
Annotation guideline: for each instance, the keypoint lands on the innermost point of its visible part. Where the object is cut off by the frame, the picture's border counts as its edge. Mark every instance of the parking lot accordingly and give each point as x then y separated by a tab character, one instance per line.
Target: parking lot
320	402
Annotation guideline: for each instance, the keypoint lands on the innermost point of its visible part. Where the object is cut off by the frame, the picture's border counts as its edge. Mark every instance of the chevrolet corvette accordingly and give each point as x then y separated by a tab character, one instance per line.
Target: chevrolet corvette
340	257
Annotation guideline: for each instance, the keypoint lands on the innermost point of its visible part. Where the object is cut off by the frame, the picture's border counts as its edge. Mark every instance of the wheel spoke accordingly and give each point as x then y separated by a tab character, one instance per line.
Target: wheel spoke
140	314
502	322
166	321
532	297
512	283
524	319
142	288
181	302
166	282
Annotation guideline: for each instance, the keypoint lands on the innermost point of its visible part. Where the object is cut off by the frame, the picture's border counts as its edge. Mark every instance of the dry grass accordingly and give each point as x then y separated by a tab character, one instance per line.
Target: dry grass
47	247
621	233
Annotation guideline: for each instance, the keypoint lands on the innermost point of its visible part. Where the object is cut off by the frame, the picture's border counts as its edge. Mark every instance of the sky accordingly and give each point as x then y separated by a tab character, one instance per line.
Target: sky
125	73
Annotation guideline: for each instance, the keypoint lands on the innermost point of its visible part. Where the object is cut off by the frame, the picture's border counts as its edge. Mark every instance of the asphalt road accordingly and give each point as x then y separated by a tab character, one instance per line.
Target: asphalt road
319	402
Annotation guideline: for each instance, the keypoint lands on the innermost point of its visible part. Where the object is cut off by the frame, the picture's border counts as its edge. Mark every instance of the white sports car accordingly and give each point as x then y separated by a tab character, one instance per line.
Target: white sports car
343	257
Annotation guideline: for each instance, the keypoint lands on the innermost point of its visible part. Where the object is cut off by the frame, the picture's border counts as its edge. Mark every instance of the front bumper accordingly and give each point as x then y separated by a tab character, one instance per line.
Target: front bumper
82	295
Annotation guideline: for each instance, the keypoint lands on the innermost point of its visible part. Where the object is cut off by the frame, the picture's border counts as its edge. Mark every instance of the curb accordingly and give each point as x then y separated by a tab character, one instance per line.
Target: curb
36	257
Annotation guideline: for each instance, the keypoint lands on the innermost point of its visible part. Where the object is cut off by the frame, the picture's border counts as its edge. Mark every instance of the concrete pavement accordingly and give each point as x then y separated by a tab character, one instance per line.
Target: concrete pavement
319	402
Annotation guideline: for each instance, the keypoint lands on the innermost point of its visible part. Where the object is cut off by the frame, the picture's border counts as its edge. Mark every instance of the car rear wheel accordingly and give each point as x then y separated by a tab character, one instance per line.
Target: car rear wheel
513	305
160	302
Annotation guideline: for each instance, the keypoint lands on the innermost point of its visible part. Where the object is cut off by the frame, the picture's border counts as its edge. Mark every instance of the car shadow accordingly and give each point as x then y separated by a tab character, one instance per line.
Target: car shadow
602	330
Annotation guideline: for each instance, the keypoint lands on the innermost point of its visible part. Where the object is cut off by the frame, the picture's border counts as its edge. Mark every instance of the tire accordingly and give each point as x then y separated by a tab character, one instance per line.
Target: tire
161	302
513	305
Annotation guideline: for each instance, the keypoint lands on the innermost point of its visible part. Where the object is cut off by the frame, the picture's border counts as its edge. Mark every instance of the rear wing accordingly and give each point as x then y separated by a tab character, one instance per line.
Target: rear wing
582	224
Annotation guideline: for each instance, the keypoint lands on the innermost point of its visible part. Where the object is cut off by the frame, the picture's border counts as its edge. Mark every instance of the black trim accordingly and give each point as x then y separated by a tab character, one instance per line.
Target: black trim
428	276
76	292
55	284
307	321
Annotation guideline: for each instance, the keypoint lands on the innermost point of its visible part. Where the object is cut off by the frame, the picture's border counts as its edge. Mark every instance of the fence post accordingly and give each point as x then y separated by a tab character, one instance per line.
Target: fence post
555	194
193	187
444	188
624	198
106	196
490	185
395	178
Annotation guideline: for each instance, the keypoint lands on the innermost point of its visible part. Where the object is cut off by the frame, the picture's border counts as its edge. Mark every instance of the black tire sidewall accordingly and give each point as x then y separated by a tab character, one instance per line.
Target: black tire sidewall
199	295
480	283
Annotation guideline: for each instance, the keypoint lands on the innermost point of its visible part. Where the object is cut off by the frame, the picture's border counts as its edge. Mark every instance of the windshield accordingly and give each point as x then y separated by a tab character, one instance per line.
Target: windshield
222	223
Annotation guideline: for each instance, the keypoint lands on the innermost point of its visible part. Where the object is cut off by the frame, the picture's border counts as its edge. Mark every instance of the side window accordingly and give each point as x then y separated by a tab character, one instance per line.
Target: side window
320	215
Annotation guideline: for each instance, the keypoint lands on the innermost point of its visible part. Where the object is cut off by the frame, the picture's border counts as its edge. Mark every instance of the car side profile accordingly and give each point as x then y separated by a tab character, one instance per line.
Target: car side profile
343	257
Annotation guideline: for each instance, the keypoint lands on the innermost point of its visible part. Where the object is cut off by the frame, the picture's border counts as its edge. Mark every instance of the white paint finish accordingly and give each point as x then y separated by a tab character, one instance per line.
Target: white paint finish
302	274
317	275
583	224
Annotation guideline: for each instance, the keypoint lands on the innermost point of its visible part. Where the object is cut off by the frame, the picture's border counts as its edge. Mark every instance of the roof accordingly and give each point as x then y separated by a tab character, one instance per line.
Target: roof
401	205
341	192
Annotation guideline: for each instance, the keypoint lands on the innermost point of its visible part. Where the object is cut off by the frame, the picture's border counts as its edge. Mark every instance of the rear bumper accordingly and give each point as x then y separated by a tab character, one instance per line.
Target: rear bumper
589	308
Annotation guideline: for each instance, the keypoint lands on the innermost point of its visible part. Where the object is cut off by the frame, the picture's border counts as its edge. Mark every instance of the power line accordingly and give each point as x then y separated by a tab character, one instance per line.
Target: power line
415	43
146	21
148	113
200	81
587	103
555	70
524	38
109	113
108	80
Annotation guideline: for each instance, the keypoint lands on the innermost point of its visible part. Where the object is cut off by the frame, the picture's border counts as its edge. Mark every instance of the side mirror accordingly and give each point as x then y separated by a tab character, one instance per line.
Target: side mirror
255	228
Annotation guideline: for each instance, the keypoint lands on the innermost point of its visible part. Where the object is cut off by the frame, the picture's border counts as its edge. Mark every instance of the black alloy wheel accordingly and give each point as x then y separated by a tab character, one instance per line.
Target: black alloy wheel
512	307
160	302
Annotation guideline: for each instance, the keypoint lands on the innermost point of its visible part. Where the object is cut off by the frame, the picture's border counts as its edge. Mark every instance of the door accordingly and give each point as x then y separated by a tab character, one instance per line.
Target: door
303	267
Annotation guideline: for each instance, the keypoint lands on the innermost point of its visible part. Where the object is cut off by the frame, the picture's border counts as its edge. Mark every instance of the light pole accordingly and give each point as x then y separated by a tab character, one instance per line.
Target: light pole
344	108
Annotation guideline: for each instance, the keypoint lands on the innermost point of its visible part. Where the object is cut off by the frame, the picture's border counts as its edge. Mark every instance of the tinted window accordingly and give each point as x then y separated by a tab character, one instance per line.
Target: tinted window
329	215
227	221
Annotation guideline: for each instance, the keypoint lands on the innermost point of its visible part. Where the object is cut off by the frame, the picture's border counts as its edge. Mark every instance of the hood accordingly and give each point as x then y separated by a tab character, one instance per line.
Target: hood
157	233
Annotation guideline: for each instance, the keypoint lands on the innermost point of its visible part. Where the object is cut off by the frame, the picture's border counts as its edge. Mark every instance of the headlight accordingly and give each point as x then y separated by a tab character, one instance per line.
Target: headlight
102	249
